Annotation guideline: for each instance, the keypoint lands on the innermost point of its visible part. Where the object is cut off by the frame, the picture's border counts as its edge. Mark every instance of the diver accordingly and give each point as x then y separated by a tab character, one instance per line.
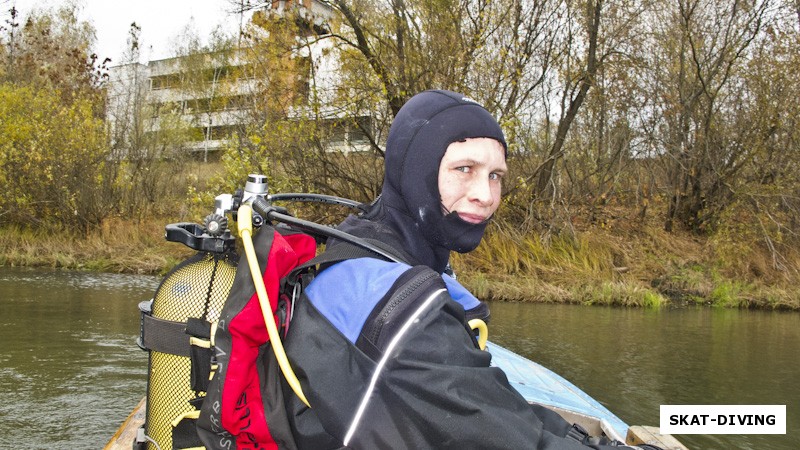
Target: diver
381	348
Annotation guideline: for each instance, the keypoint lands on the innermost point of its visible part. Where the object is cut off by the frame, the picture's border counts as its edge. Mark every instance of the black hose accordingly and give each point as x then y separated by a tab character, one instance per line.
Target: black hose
262	206
319	198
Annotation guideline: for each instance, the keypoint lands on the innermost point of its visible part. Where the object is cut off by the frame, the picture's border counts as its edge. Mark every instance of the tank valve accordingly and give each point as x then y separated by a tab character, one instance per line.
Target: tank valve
215	224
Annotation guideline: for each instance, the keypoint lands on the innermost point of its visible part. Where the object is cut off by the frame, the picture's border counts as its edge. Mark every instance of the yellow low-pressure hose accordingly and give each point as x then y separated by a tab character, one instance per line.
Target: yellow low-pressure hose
483	331
245	222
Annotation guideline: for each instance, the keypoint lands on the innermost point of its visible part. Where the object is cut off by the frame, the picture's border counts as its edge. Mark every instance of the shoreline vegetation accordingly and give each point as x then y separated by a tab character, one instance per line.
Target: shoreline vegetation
653	157
642	266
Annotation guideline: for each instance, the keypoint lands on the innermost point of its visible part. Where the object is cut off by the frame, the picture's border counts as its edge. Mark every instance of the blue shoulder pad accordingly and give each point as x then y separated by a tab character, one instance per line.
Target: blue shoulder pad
460	293
347	292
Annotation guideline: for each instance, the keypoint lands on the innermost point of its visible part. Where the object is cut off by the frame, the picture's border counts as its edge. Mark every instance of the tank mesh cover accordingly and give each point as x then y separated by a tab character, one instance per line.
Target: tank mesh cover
198	287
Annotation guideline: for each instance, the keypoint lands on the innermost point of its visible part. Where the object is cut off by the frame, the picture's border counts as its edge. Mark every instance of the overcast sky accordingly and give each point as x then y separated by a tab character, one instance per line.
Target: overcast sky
161	21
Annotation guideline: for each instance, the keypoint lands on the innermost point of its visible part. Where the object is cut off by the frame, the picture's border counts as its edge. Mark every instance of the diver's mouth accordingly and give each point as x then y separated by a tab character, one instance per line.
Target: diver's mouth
471	218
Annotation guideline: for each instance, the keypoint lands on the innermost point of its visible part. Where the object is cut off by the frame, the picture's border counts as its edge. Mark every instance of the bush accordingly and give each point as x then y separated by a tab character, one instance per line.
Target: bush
52	160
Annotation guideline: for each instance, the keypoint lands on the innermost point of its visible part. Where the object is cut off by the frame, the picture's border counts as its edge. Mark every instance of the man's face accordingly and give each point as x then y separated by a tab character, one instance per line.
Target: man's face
470	176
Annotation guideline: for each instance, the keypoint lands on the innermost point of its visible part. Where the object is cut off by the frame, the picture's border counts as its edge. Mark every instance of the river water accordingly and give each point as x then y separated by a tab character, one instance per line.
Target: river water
633	360
70	371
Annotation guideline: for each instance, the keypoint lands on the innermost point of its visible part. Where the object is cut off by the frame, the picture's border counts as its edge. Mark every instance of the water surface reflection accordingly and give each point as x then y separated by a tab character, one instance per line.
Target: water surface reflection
70	371
634	360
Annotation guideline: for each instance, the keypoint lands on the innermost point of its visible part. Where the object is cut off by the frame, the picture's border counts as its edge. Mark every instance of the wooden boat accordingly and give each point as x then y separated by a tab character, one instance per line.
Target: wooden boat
535	383
125	436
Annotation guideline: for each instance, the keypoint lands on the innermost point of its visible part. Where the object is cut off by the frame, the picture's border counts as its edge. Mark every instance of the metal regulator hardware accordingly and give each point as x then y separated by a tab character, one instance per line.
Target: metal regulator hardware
214	235
256	186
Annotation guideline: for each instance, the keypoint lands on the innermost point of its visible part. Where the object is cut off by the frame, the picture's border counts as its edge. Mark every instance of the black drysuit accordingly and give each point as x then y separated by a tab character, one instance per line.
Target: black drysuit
408	374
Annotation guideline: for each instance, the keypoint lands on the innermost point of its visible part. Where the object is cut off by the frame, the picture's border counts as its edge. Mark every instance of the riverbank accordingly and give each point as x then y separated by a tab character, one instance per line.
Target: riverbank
636	267
629	264
117	247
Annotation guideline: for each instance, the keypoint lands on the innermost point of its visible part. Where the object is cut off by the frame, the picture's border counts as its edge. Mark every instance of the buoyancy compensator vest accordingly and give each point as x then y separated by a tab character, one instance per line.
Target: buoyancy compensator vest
205	328
243	408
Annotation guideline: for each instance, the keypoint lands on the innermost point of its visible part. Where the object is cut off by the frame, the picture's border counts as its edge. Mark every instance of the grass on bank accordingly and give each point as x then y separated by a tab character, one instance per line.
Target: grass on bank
118	246
638	267
644	267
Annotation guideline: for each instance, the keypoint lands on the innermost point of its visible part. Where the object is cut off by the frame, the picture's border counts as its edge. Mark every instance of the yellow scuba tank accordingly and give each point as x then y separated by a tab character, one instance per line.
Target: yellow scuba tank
193	292
197	288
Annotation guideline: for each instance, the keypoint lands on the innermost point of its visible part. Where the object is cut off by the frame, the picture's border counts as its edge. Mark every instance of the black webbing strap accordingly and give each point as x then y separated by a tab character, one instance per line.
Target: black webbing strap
165	336
199	332
184	435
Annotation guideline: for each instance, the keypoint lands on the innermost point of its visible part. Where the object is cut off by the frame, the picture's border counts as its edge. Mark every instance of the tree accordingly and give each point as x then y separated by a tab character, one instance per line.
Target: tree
266	83
8	43
53	48
765	129
52	160
706	45
53	155
152	122
488	50
577	83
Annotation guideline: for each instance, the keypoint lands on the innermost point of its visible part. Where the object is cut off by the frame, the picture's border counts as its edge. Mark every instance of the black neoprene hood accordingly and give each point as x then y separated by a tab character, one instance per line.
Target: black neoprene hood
420	134
425	126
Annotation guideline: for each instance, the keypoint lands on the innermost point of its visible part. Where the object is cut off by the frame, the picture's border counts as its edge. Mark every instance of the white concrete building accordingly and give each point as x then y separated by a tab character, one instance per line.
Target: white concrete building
141	97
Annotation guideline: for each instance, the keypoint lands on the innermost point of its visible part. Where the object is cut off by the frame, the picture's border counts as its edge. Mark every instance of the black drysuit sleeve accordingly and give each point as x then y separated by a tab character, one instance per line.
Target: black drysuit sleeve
435	389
